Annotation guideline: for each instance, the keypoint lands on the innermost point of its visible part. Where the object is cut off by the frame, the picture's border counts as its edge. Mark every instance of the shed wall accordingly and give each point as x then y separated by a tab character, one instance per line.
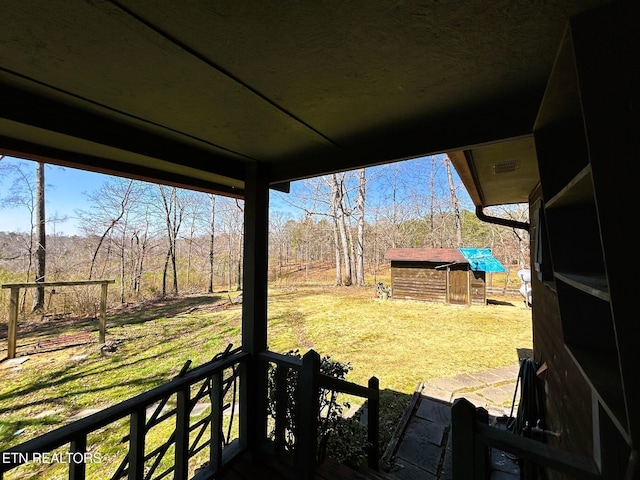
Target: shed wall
414	281
478	287
423	281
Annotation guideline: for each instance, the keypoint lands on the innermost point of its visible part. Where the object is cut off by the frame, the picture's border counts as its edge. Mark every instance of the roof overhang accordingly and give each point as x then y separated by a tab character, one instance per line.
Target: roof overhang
193	93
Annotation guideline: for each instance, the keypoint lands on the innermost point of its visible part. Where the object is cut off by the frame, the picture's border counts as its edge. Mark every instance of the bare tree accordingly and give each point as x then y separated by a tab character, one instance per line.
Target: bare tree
212	231
41	234
338	210
110	205
455	205
360	202
173	209
22	193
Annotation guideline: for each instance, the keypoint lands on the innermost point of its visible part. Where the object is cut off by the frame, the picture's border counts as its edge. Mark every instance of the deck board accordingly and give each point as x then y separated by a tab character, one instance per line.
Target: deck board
242	468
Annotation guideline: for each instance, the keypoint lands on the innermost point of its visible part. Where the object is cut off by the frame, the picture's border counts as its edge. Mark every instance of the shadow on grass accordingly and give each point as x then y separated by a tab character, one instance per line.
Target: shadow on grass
167	308
30	332
491	301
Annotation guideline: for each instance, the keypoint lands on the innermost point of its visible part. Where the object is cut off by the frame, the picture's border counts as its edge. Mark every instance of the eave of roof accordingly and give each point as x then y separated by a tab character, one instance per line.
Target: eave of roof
436	255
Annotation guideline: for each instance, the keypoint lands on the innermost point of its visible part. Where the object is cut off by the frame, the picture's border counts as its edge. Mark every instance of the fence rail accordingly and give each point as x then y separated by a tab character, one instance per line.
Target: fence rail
12	333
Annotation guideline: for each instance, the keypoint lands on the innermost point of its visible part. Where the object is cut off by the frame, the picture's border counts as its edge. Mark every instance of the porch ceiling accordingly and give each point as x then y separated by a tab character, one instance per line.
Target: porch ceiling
189	93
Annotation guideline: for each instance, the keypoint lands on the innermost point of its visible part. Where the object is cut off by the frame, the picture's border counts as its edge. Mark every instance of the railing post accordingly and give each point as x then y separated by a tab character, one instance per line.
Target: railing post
463	417
373	421
307	421
12	332
78	469
136	444
282	400
103	313
215	448
182	434
481	451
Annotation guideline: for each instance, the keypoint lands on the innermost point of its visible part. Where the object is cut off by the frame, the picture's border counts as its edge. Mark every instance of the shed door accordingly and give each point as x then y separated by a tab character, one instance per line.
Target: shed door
458	289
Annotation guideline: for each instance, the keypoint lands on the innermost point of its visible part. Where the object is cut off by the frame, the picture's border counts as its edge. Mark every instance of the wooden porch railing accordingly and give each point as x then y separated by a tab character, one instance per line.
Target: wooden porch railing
214	386
310	382
214	383
472	438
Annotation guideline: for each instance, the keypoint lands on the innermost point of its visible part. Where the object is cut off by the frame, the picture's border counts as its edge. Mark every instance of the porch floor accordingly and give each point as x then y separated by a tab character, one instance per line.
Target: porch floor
330	469
422	447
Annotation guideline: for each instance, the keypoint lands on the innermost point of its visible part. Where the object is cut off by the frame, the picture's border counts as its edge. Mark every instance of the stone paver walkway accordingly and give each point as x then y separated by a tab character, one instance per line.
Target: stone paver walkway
423	451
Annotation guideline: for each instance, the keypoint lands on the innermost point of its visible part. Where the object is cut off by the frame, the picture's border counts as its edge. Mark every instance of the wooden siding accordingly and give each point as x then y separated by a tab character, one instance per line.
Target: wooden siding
478	287
423	281
459	287
414	282
568	397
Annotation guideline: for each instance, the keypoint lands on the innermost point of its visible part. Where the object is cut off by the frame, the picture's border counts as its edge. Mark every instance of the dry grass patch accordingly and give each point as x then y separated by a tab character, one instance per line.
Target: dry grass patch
401	342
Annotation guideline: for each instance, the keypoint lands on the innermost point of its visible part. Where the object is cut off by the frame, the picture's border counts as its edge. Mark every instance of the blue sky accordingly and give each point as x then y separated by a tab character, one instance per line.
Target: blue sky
67	189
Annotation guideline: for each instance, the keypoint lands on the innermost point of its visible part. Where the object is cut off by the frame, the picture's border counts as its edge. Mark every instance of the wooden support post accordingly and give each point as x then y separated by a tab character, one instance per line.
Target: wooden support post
463	417
12	332
103	313
481	451
307	418
253	384
373	422
136	444
282	401
215	448
183	412
77	466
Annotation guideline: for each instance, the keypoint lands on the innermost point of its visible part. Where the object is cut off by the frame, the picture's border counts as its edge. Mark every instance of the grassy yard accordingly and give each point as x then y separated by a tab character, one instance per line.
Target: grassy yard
400	342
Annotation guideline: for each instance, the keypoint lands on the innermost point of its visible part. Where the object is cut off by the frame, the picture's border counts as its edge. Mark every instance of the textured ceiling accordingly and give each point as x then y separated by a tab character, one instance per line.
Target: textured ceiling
190	92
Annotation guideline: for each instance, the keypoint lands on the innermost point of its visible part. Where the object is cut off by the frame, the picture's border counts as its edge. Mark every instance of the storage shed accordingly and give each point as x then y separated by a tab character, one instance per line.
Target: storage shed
450	275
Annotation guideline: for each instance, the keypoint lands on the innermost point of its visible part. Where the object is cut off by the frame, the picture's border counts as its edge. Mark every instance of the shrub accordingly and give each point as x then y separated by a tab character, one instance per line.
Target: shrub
343	439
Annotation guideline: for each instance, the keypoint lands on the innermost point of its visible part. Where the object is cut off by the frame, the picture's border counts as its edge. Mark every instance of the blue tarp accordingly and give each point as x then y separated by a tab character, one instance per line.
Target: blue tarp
481	259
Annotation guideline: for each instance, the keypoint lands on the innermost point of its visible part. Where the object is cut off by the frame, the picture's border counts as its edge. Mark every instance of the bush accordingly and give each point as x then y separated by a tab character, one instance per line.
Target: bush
343	439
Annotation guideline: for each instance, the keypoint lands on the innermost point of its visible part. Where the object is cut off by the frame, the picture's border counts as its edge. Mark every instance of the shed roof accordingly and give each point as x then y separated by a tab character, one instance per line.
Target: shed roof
480	259
444	255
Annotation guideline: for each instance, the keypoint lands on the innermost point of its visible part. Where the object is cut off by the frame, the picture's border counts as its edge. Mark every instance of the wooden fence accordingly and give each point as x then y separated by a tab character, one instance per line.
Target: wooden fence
12	332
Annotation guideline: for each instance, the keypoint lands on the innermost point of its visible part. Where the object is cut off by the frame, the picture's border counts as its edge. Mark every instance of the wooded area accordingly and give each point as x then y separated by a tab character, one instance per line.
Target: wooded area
158	240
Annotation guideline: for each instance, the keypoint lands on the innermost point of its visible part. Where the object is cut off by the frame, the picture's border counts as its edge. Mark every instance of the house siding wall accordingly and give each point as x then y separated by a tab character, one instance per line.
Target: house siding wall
568	396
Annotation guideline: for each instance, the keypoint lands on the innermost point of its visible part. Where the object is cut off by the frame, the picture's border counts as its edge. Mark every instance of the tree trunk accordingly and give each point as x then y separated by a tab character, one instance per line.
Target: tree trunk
212	198
122	265
360	240
165	270
454	203
432	201
336	240
41	235
342	228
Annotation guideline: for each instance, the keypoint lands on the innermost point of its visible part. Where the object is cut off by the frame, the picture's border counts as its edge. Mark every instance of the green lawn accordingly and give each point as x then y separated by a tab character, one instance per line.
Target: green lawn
400	342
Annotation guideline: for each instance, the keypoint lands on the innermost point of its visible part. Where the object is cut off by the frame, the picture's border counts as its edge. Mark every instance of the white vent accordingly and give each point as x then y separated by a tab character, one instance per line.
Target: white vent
506	166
